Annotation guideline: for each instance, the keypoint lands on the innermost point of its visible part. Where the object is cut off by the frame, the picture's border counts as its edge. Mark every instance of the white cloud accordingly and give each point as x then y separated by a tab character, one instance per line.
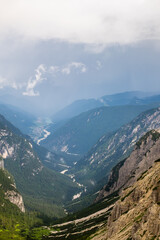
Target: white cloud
2	82
6	83
51	71
33	82
76	65
54	69
82	21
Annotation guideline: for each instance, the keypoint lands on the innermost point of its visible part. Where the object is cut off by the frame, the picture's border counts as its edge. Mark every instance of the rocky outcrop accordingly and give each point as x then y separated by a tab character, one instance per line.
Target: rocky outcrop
136	215
114	147
146	151
8	190
15	198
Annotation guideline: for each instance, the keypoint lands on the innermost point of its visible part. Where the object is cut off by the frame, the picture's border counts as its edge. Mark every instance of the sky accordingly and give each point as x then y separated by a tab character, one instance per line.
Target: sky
53	52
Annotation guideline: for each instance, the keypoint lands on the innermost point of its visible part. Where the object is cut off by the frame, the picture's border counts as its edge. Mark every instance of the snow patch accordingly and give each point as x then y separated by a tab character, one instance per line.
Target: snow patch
64	171
76	196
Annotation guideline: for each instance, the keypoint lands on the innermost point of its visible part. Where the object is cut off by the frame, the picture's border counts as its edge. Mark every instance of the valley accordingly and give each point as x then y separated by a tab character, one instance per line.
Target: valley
73	194
80	120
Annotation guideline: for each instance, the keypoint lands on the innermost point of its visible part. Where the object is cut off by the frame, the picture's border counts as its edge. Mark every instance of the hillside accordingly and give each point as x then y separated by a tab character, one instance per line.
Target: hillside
79	134
83	105
76	108
112	148
19	118
11	204
126	172
43	190
134	214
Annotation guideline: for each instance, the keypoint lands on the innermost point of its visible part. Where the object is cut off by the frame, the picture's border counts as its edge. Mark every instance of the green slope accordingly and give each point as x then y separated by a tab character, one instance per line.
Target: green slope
15	224
80	133
19	118
92	170
43	189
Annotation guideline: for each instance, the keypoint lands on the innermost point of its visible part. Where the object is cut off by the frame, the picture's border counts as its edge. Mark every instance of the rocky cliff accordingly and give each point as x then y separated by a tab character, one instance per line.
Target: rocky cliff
136	215
15	198
8	190
125	173
112	148
42	189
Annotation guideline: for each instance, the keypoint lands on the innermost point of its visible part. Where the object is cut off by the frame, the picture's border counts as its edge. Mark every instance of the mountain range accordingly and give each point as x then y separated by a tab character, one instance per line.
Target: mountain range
132	210
102	162
42	189
111	148
79	134
118	99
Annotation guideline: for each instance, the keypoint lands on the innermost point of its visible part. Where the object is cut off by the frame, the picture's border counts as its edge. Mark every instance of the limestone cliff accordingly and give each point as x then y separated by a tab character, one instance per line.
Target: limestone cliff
8	190
136	215
124	174
15	198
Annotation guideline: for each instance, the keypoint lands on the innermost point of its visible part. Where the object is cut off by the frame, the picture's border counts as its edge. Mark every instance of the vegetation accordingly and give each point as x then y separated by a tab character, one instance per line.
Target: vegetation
13	223
155	136
80	133
43	189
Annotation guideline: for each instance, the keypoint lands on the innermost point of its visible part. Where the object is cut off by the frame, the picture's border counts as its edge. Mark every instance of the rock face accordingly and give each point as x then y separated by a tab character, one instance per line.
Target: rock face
1	163
124	174
8	190
136	215
112	148
33	180
15	198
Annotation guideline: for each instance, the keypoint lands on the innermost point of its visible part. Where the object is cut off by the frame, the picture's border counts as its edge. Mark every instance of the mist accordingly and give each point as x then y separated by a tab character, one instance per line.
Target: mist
53	53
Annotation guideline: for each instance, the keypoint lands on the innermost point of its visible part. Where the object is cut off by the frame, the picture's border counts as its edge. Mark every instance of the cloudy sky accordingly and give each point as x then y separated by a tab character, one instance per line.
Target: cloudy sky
53	52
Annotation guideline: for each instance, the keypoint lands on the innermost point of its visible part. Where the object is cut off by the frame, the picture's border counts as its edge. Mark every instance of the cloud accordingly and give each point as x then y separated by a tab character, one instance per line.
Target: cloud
77	65
54	69
50	71
6	83
3	82
33	82
91	22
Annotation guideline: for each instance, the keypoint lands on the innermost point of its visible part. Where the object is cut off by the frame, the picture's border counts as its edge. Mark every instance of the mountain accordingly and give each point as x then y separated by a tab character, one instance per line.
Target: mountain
124	98
80	133
112	148
9	192
132	210
43	190
11	204
126	172
76	108
15	222
19	118
83	105
136	214
147	100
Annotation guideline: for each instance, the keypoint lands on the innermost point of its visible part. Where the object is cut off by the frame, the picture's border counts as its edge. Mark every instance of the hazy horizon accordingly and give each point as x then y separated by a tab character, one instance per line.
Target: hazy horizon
53	53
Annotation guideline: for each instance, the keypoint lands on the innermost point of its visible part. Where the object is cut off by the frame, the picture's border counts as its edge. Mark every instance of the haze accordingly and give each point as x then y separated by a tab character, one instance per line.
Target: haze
54	52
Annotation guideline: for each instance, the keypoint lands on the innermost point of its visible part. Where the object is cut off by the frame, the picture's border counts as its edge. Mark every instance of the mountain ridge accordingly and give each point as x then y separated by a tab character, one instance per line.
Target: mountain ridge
41	188
113	148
